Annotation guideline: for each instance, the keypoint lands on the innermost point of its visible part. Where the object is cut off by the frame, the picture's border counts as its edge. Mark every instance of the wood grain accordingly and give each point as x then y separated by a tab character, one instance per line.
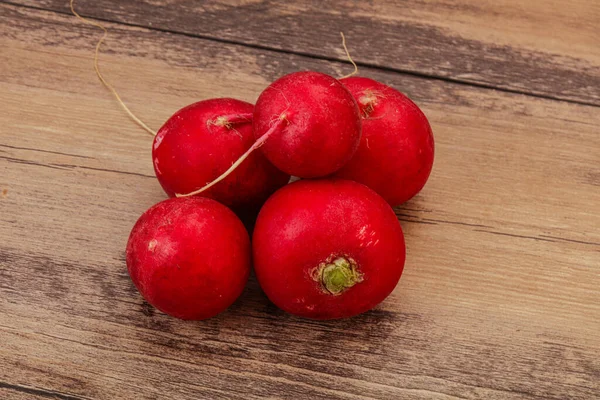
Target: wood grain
499	298
544	47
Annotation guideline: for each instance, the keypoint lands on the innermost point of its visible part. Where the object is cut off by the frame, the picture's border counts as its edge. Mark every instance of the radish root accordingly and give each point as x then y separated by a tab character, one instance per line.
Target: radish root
104	82
280	121
349	58
228	121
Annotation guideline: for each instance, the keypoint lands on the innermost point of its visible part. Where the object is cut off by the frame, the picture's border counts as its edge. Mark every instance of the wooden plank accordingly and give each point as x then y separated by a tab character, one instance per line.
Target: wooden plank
499	299
541	47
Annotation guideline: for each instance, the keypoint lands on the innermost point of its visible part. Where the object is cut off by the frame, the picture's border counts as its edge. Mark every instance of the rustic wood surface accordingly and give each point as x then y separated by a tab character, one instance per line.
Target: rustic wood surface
547	48
500	296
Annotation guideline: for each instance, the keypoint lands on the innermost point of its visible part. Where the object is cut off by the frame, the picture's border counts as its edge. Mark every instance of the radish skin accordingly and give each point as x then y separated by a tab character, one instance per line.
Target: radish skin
327	249
201	141
189	257
322	124
396	152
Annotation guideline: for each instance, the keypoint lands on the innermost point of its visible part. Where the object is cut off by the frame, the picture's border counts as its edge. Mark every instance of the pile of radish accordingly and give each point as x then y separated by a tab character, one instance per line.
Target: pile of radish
327	246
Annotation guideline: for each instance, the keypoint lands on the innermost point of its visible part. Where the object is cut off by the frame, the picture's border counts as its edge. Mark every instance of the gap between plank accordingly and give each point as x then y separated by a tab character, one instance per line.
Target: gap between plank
40	392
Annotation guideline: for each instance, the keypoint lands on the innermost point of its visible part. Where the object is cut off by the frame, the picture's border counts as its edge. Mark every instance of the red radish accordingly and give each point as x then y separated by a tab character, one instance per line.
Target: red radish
201	141
326	249
189	257
309	122
395	156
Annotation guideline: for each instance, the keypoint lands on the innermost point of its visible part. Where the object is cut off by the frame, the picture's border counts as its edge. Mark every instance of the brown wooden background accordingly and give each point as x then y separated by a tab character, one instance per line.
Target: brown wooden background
500	298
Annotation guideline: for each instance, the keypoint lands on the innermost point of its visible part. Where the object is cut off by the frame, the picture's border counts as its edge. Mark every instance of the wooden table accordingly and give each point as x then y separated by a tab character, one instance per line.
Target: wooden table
500	298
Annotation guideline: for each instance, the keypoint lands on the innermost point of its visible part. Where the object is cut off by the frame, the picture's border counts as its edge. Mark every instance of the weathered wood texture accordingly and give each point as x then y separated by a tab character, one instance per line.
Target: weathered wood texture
544	47
499	299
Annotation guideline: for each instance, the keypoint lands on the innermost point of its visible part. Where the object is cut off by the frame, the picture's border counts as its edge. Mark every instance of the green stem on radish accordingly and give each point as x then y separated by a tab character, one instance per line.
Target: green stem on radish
338	275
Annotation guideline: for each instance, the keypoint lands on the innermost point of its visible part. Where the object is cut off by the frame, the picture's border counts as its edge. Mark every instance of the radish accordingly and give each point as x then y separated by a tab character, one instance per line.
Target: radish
199	142
327	249
309	123
189	257
395	155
